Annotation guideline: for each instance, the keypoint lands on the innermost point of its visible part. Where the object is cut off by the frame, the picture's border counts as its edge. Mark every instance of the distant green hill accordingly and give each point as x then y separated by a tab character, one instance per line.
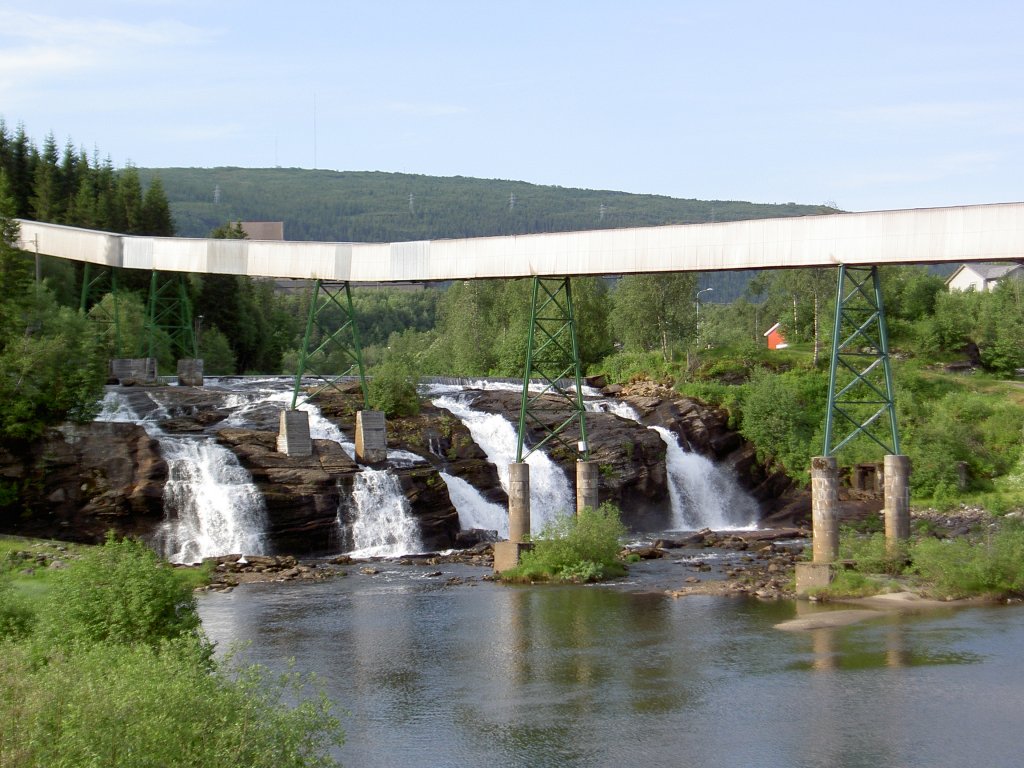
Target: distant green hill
389	207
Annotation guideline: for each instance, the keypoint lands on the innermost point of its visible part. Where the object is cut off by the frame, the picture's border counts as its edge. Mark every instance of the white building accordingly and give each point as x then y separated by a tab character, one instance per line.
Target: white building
982	277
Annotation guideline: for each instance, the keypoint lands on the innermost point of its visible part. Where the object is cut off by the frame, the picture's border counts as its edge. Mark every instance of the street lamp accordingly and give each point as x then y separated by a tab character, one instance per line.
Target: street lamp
702	290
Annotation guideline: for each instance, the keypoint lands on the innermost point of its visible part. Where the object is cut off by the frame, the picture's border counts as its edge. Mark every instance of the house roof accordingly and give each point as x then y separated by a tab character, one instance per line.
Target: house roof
985	270
774	327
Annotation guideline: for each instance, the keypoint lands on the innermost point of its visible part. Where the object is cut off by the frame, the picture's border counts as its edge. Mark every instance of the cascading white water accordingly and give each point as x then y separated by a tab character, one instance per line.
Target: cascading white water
211	506
702	495
383	526
216	508
474	510
550	492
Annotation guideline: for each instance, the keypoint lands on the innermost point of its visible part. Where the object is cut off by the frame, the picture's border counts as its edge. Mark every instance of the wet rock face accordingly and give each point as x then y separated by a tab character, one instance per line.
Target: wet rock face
78	482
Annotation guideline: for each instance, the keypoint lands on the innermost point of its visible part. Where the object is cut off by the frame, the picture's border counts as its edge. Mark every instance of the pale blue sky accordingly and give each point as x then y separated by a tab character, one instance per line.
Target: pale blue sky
870	105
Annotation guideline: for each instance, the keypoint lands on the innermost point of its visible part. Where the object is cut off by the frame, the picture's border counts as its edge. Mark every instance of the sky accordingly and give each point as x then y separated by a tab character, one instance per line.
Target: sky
864	105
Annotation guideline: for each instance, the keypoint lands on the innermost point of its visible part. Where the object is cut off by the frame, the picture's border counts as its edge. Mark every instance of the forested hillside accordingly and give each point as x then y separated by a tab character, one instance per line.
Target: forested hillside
385	207
363	206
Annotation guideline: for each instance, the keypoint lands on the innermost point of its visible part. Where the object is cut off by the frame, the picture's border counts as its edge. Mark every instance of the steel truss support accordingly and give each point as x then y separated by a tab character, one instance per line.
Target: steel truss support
327	300
169	310
552	355
860	390
94	285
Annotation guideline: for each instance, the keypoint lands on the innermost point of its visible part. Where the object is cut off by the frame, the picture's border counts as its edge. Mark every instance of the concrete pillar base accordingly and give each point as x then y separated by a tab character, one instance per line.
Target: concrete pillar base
507	553
518	501
190	372
293	434
371	437
813	576
587	479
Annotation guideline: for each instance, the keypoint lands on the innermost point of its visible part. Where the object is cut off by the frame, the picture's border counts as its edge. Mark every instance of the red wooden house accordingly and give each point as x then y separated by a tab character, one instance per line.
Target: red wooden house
775	338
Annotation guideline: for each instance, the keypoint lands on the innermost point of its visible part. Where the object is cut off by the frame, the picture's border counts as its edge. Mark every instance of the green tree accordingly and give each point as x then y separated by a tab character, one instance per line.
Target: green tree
156	212
655	311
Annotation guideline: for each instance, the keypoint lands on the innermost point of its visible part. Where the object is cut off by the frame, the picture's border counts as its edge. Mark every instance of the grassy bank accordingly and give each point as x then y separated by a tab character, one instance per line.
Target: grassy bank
985	561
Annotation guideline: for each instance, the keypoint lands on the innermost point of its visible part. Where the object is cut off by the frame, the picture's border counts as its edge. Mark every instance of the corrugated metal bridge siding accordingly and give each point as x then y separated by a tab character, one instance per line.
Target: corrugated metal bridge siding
925	235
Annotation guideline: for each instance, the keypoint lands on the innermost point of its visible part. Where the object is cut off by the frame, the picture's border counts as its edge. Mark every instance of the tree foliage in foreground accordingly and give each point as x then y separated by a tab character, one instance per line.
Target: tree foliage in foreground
117	673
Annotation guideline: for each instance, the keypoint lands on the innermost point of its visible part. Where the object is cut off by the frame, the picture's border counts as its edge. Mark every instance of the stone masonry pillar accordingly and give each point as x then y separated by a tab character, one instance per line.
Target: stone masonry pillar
586	485
506	553
371	437
518	501
824	498
190	372
293	435
897	498
818	573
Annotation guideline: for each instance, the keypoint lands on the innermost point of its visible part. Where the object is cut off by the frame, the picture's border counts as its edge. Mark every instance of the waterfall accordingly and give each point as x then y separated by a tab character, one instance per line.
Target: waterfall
383	526
550	492
474	510
211	506
702	495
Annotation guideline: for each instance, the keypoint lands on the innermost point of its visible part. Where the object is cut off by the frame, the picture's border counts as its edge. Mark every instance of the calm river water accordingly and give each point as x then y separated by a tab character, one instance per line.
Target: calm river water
478	674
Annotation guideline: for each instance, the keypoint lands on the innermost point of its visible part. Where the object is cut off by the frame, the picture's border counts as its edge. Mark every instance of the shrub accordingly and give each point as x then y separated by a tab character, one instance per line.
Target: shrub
119	593
116	705
872	553
960	567
584	547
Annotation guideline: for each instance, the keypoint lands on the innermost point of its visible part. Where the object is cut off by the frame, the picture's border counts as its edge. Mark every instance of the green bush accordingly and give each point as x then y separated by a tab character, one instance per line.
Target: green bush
118	593
584	547
961	567
872	553
116	705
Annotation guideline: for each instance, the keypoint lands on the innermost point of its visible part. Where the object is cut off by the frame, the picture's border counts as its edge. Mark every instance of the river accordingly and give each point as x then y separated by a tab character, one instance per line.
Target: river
473	673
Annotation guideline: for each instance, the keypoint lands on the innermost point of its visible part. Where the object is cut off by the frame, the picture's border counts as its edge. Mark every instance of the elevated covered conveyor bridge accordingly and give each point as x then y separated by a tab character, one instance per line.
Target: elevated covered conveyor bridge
925	235
861	386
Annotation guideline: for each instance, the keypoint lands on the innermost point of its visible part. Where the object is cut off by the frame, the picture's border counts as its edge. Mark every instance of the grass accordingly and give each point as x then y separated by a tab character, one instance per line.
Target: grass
26	561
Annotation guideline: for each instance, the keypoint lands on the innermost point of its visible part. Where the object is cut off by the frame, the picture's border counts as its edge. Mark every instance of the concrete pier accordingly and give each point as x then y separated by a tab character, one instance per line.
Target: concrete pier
190	372
518	501
293	434
897	498
824	498
134	370
586	485
371	437
506	553
825	527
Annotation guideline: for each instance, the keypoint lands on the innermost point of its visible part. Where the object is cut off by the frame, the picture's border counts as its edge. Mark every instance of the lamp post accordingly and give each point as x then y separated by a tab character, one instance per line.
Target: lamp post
702	290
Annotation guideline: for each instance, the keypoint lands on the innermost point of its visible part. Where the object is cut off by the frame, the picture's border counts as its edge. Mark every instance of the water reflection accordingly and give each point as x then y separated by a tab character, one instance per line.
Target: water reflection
485	674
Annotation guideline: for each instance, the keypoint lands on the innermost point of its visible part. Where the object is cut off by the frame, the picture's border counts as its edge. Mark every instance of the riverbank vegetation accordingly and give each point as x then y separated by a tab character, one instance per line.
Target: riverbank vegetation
106	664
986	561
574	548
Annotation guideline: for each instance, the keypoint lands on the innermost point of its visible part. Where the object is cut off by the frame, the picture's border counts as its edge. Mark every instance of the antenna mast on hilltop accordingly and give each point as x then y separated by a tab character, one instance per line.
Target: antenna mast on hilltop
314	131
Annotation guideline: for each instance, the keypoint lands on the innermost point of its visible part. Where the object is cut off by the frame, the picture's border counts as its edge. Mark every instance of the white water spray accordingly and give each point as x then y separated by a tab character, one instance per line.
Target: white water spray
474	510
383	526
550	493
211	506
702	495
